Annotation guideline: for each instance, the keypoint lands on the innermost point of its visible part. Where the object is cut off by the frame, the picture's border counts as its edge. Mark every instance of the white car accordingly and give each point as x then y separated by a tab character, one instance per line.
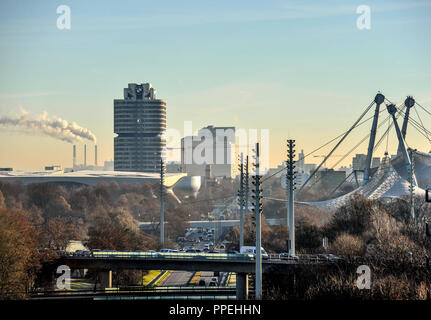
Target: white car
252	250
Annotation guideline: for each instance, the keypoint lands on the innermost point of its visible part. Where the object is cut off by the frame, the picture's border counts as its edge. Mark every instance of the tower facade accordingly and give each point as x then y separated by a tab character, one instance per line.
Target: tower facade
140	124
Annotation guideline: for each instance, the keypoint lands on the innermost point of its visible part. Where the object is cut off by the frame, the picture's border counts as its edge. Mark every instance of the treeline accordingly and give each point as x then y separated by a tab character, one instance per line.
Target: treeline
379	233
38	219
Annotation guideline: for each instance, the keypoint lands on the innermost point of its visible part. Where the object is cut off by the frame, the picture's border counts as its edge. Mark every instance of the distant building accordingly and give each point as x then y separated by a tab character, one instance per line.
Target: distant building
301	177
173	167
139	122
359	161
53	168
348	170
108	165
309	167
219	152
329	179
277	172
301	161
375	163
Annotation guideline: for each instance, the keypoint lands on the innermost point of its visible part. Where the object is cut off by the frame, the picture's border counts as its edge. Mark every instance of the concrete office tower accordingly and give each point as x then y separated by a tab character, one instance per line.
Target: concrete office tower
222	162
140	123
85	156
74	156
95	155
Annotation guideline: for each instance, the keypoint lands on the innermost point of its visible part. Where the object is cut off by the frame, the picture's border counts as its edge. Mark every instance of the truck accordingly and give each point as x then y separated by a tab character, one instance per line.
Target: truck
252	250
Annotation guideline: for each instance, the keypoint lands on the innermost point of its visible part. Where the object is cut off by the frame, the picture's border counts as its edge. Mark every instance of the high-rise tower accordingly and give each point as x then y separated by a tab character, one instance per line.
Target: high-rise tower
139	122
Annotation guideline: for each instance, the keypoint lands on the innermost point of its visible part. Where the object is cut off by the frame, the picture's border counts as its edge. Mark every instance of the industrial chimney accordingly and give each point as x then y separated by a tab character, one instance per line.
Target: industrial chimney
85	156
95	155
74	156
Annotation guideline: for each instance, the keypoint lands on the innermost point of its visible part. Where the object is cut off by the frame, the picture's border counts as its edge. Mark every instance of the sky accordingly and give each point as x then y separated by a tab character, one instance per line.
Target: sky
301	69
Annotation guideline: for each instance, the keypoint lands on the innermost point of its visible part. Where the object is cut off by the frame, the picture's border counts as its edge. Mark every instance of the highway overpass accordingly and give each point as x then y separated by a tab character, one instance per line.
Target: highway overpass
241	264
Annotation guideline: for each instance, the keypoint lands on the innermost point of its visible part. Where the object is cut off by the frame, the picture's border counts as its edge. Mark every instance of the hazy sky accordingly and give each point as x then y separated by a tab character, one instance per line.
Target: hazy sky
301	69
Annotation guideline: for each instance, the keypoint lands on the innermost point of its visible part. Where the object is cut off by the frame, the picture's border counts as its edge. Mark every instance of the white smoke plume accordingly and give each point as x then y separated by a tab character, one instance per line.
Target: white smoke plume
51	126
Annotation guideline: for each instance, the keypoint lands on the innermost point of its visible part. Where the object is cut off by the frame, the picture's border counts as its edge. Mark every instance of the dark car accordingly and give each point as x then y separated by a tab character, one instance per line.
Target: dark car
287	256
232	252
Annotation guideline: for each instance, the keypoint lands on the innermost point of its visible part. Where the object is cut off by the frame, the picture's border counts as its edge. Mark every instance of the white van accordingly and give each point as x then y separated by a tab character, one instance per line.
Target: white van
252	250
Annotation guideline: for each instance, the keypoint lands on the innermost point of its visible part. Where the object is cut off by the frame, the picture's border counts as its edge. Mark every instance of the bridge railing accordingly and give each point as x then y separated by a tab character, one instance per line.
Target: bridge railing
161	255
142	255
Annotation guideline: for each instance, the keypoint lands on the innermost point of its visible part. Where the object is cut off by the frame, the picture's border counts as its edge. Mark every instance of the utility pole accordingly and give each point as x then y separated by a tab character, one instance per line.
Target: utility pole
241	202
290	183
246	185
162	203
257	191
411	173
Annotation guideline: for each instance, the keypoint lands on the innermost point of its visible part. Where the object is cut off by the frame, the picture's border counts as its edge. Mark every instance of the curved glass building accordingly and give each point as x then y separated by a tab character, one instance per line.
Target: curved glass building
140	125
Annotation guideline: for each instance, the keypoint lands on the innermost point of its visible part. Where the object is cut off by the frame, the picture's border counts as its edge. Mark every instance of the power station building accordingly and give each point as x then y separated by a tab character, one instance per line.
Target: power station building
140	123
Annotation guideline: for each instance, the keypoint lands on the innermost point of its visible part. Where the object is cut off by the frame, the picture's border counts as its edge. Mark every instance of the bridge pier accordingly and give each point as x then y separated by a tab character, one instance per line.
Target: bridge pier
105	277
241	286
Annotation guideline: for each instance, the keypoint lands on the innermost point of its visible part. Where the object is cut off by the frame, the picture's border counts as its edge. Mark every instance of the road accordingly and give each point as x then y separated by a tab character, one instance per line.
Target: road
207	276
177	279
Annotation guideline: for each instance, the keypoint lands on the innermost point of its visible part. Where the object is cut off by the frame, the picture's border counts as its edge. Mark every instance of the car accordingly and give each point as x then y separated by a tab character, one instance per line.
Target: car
212	284
288	256
191	250
332	257
214	279
252	250
232	252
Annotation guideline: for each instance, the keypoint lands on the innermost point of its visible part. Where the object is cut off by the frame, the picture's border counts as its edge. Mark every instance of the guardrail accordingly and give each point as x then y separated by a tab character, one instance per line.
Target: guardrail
133	255
160	255
137	290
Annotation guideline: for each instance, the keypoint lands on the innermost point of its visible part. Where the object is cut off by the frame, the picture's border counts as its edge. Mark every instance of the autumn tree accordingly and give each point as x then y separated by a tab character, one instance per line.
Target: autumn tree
18	255
57	233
